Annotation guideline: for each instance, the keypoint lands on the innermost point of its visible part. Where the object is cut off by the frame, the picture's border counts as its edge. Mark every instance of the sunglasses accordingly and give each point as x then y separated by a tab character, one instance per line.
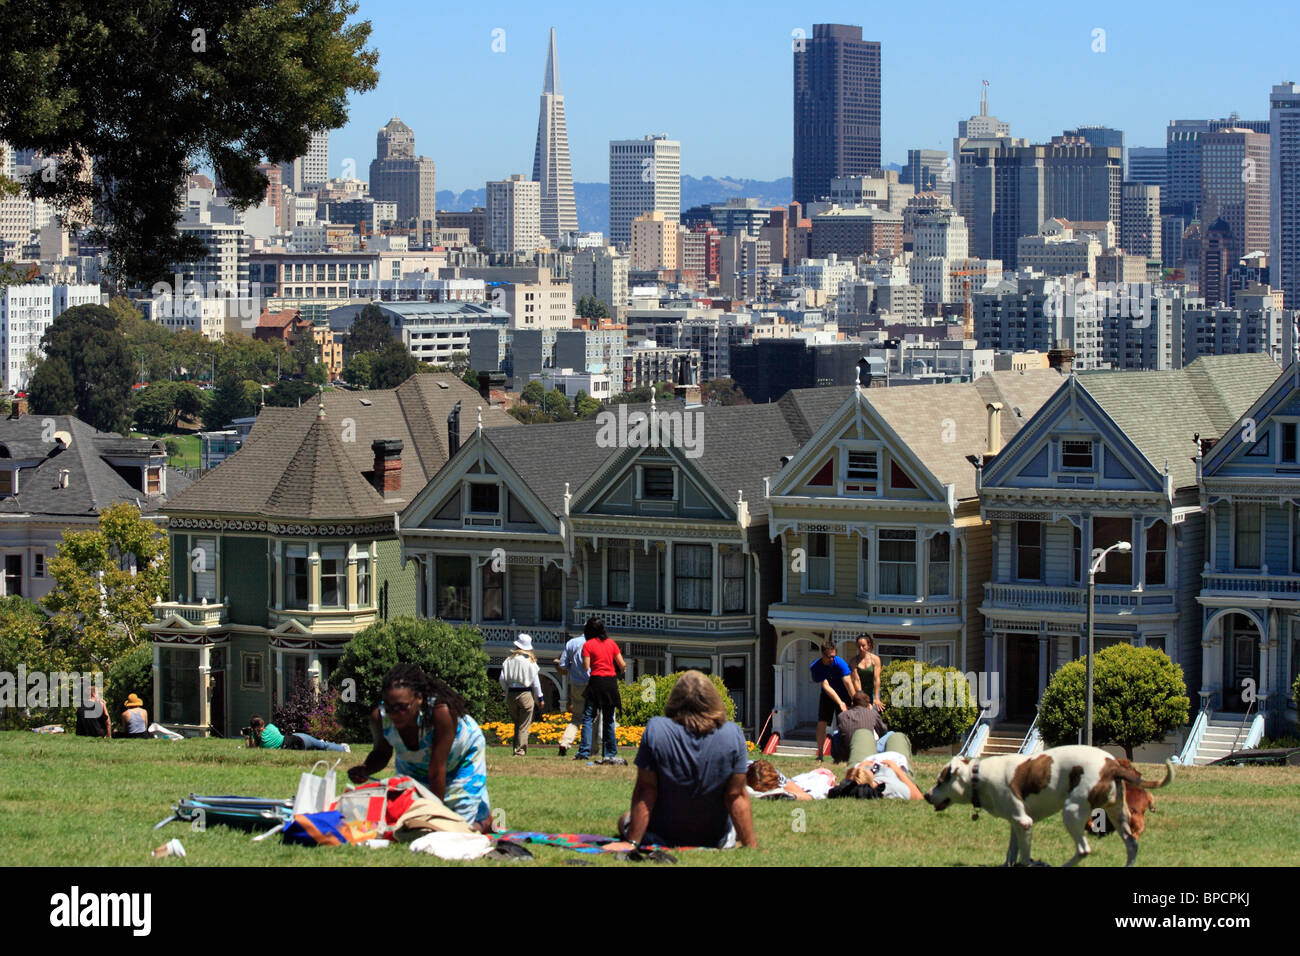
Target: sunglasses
398	708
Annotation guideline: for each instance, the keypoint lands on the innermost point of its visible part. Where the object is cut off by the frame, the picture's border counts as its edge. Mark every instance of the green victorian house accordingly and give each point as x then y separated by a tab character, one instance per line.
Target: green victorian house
289	547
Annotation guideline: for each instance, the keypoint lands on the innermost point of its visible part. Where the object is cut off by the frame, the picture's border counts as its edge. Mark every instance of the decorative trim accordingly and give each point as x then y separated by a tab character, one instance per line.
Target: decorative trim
383	528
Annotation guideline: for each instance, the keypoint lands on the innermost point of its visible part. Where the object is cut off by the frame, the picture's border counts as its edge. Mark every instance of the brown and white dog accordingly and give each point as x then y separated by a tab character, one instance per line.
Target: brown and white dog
1073	781
1138	800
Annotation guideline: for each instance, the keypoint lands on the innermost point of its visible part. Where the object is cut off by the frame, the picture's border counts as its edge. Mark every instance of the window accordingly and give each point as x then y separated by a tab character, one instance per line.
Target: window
452	587
733	581
1158	642
657	483
1289	442
484	498
693	577
13	575
153	481
1119	566
38	565
333	576
204	562
865	564
1248	535
179	680
1076	453
940	565
618	576
552	594
6	481
861	473
1157	547
817	577
296	577
494	585
1029	551
897	561
939	654
363	579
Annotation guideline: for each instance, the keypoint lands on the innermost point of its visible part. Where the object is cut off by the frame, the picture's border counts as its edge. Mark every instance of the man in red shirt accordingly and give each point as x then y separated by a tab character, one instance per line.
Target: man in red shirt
604	662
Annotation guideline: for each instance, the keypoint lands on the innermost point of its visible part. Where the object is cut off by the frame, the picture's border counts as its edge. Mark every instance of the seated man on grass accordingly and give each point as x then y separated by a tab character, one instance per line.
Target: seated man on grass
859	715
690	785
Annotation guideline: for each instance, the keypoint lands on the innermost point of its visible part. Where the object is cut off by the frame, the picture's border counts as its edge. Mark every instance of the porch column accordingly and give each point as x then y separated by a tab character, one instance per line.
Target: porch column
352	576
279	674
1210	644
475	589
157	684
717	580
313	671
430	593
1267	641
669	585
778	698
631	576
205	685
1044	661
313	577
277	558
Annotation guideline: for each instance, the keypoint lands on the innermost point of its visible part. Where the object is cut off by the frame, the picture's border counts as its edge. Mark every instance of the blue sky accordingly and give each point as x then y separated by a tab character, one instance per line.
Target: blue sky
717	75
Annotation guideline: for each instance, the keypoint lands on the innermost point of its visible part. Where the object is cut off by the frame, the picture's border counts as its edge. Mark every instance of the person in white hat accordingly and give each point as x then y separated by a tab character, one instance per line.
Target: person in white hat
521	680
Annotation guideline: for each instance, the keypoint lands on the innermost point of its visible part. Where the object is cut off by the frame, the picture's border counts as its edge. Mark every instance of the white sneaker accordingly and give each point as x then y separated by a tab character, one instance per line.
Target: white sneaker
347	749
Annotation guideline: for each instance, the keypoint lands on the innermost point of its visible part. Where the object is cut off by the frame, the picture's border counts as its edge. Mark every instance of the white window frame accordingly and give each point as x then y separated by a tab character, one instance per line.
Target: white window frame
830	558
1092	444
917	564
867	540
1281	422
931	646
947	594
1232	539
847	488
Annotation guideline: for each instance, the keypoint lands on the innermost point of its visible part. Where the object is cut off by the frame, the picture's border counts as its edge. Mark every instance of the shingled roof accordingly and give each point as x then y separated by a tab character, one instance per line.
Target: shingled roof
93	484
295	465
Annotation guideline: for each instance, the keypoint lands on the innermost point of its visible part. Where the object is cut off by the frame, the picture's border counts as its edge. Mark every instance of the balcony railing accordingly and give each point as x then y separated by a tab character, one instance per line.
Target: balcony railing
200	615
690	622
551	638
903	607
1251	584
1035	597
326	619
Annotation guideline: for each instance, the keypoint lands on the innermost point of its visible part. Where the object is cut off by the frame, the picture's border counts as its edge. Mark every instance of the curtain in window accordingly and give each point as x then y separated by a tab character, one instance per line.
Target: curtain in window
733	581
693	577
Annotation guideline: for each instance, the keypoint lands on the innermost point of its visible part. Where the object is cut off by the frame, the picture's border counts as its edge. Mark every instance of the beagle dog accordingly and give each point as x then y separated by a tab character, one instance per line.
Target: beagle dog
1072	780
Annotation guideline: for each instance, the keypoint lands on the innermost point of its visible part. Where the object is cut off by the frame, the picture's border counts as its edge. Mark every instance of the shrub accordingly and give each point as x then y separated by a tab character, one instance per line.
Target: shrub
454	654
1139	696
24	642
646	698
132	673
310	711
933	705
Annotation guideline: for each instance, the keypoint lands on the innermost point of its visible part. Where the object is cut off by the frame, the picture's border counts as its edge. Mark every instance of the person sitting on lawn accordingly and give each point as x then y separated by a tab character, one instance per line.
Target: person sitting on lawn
426	725
884	775
861	714
269	737
690	784
135	718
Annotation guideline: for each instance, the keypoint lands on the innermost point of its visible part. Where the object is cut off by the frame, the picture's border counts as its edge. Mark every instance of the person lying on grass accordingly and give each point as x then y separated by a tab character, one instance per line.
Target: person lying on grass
767	782
690	784
427	726
268	736
883	775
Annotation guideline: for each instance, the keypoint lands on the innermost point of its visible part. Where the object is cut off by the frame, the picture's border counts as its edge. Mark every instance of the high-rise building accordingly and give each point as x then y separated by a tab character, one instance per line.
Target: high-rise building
1217	257
1284	191
1182	195
1147	164
836	108
601	273
655	242
551	166
1103	136
1234	187
927	170
645	175
397	175
979	132
311	169
514	215
1139	222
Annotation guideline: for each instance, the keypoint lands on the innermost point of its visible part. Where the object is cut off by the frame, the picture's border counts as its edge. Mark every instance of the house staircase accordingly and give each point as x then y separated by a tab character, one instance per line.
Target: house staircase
1004	739
1222	731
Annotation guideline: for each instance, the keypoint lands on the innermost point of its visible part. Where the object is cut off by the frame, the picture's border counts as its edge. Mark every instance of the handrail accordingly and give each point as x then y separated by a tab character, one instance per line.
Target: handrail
1193	743
1242	726
1256	733
1032	736
979	722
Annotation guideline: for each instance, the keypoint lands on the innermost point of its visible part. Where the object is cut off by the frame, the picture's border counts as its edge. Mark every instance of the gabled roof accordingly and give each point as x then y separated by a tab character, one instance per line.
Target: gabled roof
1161	411
293	466
93	484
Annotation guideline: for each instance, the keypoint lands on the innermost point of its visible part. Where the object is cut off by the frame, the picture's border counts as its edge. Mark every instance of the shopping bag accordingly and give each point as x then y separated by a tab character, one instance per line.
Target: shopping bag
316	794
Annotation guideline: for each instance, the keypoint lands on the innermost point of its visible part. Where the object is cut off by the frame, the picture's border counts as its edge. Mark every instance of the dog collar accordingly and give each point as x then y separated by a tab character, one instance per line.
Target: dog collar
975	789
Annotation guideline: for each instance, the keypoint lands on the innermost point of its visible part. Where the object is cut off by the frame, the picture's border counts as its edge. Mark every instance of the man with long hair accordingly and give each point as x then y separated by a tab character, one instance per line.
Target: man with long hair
690	784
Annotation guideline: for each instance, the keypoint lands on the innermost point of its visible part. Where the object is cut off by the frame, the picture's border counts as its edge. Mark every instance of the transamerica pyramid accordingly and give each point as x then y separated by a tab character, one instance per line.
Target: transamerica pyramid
551	165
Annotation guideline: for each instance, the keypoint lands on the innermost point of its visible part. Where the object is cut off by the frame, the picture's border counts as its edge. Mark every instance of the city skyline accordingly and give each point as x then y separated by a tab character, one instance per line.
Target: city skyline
619	85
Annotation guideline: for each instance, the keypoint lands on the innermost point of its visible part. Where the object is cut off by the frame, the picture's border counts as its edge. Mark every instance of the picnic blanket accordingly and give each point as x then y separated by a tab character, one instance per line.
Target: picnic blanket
578	842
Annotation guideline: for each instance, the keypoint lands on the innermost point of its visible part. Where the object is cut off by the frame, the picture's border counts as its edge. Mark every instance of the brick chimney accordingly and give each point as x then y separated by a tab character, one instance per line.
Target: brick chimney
387	473
1061	357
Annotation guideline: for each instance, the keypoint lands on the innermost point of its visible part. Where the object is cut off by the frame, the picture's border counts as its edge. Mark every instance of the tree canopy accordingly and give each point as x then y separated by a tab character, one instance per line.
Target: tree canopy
149	90
87	358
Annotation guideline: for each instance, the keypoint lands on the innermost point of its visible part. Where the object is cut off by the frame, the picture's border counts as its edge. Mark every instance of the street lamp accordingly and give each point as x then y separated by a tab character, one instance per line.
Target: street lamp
1123	547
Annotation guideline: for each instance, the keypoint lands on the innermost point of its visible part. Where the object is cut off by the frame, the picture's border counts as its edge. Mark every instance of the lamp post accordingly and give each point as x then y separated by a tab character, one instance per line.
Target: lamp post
1123	547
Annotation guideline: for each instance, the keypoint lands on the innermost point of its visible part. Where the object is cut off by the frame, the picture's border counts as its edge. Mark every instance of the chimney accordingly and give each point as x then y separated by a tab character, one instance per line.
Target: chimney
18	409
995	427
485	386
387	473
1061	357
453	430
64	474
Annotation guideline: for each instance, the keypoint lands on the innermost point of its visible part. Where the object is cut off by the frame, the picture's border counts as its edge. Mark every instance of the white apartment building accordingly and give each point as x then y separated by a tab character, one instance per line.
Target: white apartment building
535	305
645	175
949	281
940	233
1057	252
26	311
602	273
597	385
824	276
514	215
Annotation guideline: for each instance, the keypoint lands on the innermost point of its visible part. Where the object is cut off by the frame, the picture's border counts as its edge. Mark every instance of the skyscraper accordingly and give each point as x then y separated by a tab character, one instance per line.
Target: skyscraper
1101	136
979	132
1234	187
551	167
1182	195
311	169
1147	165
1284	191
397	175
514	215
836	108
1139	225
645	175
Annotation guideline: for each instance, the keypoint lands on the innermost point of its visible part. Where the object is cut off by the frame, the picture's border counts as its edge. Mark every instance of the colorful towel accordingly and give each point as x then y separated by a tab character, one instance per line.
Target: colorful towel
580	842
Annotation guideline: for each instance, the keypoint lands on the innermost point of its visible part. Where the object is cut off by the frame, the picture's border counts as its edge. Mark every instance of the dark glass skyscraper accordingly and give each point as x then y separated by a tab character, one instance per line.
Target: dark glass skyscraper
836	108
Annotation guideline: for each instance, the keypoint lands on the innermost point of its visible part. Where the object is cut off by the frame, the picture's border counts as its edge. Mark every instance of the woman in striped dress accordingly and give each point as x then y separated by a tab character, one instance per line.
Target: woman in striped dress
426	726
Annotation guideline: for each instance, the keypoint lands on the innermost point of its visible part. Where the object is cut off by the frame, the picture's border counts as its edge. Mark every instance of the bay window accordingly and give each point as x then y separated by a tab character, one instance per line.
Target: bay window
333	576
897	562
940	566
693	577
1247	550
1107	531
296	577
451	583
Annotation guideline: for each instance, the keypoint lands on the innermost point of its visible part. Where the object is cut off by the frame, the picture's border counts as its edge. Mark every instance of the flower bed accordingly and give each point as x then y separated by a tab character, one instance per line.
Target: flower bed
551	727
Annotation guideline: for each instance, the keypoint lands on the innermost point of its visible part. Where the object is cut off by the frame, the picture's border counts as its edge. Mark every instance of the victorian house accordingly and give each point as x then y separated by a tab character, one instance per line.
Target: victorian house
1110	458
289	547
658	529
1248	624
879	528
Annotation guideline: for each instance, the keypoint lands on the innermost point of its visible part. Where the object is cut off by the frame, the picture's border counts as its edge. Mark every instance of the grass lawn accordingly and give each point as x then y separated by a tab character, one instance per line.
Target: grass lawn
79	802
191	449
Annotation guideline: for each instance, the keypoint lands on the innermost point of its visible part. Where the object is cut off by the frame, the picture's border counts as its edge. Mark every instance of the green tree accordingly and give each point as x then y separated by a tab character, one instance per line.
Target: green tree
556	405
1139	696
105	583
723	391
370	332
290	393
88	343
233	398
453	653
641	701
359	371
393	366
24	641
132	673
584	405
162	405
316	374
151	89
534	393
51	391
470	378
933	705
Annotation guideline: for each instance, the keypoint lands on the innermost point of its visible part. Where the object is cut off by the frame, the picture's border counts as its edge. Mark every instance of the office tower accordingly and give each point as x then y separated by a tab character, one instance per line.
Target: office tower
978	132
1234	187
645	175
310	170
1217	251
925	171
1103	136
1139	223
655	242
836	108
397	175
514	215
1183	161
1147	164
551	166
1284	192
1171	240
